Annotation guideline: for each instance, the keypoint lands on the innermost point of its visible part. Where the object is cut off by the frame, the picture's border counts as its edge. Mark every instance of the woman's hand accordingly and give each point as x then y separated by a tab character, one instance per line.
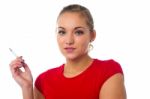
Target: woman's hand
23	78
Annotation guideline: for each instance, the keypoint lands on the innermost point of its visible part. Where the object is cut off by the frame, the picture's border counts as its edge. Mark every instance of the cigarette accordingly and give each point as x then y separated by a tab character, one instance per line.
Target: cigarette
13	52
16	56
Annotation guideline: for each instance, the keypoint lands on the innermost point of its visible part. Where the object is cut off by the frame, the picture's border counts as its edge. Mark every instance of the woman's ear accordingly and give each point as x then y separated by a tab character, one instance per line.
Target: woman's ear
93	35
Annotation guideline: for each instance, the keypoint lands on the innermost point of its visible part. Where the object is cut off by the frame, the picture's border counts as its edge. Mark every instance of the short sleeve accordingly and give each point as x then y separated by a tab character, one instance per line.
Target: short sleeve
111	68
38	83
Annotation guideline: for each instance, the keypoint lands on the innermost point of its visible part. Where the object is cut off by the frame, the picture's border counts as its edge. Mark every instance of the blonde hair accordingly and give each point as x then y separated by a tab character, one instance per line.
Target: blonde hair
83	11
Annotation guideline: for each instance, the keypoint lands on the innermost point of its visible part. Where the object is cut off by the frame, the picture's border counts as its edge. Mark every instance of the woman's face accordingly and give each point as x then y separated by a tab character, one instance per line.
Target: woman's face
73	35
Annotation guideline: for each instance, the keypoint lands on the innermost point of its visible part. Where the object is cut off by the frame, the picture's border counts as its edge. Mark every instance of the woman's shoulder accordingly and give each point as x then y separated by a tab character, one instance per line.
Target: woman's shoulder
52	71
108	65
106	62
104	69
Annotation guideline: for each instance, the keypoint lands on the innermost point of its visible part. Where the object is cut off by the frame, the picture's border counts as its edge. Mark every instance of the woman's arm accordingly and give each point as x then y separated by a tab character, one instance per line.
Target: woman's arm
38	94
113	88
27	93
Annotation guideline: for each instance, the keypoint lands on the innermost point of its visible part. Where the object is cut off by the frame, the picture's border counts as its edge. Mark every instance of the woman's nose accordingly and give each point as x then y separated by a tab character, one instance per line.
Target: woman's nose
69	39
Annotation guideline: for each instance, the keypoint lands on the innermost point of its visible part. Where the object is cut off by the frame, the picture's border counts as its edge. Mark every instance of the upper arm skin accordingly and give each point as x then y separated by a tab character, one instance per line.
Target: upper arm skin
113	88
38	94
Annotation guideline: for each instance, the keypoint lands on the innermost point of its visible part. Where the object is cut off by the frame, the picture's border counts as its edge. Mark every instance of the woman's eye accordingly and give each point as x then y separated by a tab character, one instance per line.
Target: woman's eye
61	32
79	32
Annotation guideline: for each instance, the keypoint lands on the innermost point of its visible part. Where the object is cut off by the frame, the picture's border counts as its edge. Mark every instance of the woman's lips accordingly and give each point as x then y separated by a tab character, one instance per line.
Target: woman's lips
69	49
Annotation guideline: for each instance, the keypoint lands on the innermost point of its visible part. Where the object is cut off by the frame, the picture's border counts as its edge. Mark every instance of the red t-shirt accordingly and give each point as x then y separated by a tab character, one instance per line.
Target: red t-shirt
54	85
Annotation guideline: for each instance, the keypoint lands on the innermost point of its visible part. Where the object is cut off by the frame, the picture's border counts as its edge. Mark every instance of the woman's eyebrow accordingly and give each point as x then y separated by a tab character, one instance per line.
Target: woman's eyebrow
61	27
79	27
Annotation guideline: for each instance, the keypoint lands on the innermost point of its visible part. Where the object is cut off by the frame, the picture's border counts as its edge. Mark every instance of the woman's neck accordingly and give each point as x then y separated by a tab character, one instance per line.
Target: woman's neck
77	66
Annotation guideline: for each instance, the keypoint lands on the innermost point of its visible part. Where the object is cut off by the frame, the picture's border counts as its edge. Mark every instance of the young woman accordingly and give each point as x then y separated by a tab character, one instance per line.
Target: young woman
80	77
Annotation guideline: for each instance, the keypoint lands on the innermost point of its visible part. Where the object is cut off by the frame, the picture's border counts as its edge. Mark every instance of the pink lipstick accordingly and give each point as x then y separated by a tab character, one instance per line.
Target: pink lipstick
69	49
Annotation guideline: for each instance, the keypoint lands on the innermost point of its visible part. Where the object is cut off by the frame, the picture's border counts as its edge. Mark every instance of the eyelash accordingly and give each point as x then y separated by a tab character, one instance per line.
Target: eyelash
61	32
77	32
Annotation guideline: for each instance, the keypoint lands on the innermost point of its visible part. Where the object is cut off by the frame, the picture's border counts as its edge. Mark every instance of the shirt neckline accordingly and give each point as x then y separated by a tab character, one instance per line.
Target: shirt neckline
79	75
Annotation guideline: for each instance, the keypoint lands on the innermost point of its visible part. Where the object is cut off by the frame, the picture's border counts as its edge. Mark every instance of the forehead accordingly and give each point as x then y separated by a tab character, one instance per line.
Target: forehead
71	19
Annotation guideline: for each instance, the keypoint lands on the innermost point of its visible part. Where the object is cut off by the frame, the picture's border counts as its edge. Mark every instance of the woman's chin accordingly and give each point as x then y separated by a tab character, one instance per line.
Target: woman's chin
71	57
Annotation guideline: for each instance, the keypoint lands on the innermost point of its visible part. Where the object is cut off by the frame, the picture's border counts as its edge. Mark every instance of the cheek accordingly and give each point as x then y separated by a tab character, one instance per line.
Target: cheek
59	41
83	44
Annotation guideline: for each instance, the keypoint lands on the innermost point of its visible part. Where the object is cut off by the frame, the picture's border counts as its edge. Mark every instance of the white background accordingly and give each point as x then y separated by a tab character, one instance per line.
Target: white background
123	28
